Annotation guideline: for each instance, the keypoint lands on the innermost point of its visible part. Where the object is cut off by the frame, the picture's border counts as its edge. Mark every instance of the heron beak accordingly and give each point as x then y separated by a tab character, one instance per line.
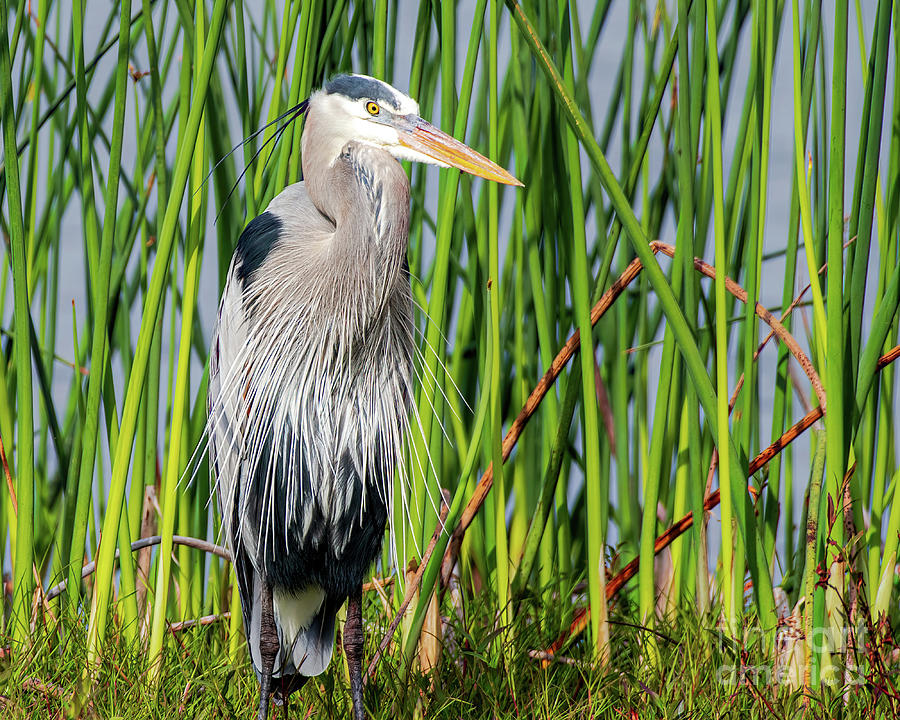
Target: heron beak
445	149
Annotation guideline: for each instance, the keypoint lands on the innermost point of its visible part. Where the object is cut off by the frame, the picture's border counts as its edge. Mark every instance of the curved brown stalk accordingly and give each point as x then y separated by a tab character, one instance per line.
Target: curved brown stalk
146	542
681	526
198	622
582	617
888	357
763	314
531	405
568	351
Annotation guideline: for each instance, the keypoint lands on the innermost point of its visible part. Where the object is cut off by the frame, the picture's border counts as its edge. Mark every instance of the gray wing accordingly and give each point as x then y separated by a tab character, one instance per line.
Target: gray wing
272	252
227	355
230	358
305	624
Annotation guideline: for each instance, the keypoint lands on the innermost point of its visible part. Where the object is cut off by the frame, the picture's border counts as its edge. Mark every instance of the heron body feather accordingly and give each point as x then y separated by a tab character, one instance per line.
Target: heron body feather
310	377
310	387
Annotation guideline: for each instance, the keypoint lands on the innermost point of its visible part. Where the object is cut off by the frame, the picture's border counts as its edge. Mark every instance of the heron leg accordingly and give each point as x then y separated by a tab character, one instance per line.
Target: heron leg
268	648
353	646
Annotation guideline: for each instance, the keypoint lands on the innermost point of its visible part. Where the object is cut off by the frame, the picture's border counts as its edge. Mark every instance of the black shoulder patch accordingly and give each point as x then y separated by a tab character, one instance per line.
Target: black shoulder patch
361	88
256	242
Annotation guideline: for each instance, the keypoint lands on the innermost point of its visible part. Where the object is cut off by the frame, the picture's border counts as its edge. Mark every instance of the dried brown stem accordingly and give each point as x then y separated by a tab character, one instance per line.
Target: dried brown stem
712	500
201	622
568	351
195	543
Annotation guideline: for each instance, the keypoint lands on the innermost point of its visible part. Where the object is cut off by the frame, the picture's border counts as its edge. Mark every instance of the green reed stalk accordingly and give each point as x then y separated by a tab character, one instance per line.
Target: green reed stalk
430	402
304	87
32	198
862	223
805	211
537	534
781	401
813	618
885	577
430	576
494	304
578	274
379	49
517	264
551	482
629	505
834	366
862	217
714	118
135	499
98	350
753	270
681	559
276	104
686	152
181	400
23	586
150	393
667	392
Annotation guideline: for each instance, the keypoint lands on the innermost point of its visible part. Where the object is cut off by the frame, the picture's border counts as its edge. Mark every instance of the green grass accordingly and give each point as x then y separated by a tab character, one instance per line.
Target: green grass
693	678
669	407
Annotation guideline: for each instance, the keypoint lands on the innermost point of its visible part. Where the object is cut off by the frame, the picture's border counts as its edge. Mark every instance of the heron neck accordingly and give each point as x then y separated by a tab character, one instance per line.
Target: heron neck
343	177
364	193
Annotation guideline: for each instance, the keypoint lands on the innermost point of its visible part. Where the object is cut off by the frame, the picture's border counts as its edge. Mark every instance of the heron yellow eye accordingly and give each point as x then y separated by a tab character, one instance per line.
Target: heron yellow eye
372	108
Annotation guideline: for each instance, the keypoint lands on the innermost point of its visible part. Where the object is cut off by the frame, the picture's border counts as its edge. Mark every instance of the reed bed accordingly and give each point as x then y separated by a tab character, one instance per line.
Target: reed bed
655	445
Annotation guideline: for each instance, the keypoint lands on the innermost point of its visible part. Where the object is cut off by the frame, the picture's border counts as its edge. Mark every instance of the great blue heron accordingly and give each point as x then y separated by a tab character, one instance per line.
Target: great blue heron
310	377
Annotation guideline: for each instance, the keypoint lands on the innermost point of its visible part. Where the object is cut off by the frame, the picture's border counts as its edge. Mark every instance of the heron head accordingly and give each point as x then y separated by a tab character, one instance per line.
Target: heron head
363	109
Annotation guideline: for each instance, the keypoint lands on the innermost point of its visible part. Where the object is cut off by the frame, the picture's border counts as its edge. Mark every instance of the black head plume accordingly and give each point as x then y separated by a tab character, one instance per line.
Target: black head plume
288	116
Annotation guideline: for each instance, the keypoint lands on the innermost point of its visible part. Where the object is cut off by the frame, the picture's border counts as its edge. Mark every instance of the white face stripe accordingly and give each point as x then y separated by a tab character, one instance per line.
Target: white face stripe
348	120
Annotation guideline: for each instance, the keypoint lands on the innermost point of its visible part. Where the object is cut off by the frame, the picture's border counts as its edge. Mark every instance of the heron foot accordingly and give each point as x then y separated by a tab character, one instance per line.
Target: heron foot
353	646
